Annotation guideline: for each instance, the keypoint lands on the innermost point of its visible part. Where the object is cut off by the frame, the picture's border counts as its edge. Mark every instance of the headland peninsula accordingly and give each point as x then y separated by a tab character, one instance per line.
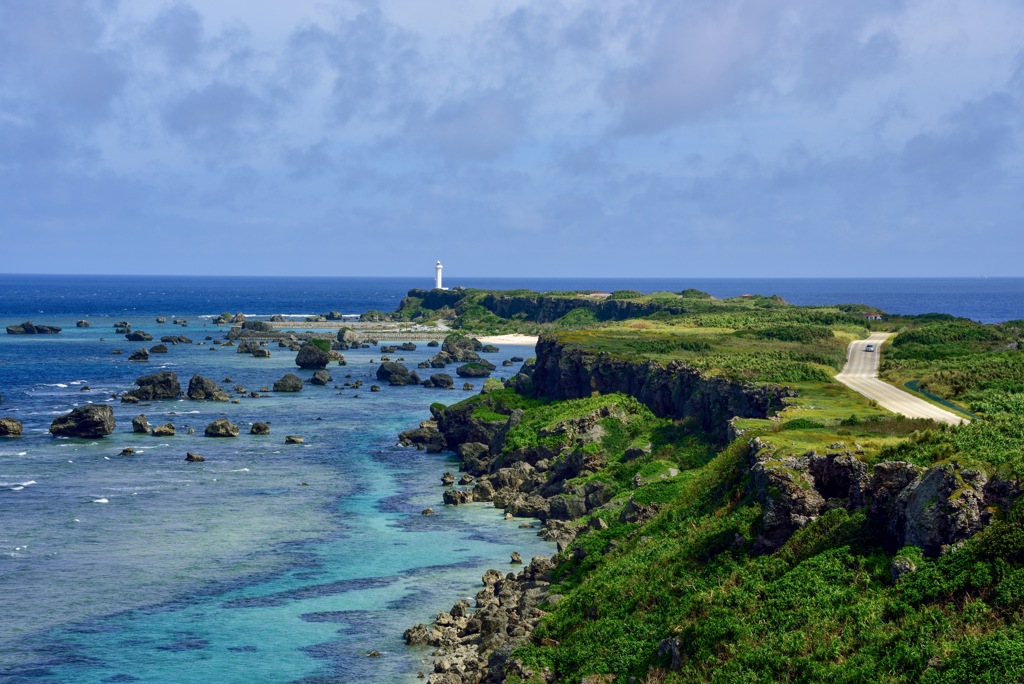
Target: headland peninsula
726	510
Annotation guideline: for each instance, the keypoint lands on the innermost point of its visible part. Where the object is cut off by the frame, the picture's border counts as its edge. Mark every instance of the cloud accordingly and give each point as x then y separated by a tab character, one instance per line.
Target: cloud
369	63
54	66
216	116
178	33
969	148
479	127
699	57
307	162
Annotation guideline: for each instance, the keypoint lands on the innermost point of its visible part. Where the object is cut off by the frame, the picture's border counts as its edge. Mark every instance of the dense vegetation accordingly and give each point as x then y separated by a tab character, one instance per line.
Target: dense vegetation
685	594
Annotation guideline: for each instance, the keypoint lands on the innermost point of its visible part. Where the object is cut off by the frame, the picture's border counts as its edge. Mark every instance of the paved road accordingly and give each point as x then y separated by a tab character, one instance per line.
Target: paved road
861	375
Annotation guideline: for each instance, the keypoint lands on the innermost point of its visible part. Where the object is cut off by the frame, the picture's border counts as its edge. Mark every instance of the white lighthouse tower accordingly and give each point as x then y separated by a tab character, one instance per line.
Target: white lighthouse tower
437	276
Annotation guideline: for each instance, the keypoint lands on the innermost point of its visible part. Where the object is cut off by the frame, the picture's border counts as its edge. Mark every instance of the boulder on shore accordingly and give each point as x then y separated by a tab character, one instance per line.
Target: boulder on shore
221	427
200	388
289	382
28	328
312	356
94	420
9	427
163	385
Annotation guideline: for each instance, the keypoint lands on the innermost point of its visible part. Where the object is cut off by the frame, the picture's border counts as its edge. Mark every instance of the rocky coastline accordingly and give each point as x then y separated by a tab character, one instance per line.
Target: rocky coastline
935	508
535	483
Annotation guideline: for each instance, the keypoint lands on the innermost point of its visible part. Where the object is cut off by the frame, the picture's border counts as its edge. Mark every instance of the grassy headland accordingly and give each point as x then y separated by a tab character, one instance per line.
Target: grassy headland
815	538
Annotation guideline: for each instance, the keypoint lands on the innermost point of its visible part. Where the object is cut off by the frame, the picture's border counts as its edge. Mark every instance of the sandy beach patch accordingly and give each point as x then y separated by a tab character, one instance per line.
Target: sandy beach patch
510	339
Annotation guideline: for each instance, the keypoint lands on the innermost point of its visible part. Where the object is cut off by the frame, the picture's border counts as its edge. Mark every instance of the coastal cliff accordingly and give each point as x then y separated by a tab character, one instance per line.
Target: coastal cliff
673	390
688	504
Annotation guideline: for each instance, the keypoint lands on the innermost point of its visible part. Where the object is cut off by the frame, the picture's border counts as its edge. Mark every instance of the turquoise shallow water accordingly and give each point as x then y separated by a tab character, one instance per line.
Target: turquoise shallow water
267	562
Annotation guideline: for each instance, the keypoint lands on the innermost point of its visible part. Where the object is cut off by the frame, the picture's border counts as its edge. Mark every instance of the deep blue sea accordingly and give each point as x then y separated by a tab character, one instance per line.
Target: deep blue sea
266	562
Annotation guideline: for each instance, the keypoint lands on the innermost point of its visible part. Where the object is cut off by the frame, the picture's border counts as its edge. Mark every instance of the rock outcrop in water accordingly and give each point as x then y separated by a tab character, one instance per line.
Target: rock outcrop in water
200	388
94	420
221	427
10	427
289	382
311	356
28	328
397	374
163	385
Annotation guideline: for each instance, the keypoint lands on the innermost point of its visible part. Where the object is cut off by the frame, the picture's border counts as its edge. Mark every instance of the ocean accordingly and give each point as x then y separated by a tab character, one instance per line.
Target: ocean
266	562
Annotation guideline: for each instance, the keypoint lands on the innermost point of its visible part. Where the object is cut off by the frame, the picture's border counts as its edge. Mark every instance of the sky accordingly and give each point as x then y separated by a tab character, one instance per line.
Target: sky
628	138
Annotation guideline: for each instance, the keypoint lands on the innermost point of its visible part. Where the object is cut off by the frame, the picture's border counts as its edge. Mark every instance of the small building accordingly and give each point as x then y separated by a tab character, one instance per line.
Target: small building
873	316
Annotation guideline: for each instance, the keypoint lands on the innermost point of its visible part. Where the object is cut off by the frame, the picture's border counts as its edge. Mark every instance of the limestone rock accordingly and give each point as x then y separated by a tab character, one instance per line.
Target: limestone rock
289	382
247	347
461	347
321	377
28	328
139	355
140	424
94	420
311	356
158	349
82	324
221	427
396	374
139	336
293	439
165	430
476	369
348	336
10	427
162	385
440	380
945	505
193	458
200	389
259	428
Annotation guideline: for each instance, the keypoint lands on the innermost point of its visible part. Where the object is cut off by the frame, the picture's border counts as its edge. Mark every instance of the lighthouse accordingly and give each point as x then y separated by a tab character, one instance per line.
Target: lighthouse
437	276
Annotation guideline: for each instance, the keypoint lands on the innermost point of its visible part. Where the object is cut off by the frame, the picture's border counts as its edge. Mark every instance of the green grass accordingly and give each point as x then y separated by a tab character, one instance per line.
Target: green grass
825	606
